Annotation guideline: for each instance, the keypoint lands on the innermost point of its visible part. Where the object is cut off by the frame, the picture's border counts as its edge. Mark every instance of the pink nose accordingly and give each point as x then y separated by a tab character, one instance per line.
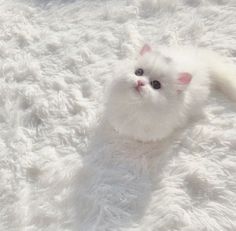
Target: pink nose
139	85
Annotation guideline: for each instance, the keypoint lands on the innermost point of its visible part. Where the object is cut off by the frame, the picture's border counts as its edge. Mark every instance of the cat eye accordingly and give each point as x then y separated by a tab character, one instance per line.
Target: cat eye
139	72
155	84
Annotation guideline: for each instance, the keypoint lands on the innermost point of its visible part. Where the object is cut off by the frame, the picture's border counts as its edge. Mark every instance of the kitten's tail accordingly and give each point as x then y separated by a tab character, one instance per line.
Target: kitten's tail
223	73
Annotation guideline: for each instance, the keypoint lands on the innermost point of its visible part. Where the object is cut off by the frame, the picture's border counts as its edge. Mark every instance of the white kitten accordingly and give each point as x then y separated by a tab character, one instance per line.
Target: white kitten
149	99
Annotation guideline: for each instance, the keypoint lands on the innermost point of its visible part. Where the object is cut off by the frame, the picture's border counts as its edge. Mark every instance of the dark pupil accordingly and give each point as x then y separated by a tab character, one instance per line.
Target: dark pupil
139	72
155	84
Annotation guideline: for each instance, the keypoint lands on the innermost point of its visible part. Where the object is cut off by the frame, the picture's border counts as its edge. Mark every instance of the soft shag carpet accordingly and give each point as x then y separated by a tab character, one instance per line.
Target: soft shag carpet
55	58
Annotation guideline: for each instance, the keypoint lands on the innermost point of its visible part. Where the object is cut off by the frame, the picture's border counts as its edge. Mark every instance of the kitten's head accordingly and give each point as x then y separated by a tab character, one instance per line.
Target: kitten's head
145	98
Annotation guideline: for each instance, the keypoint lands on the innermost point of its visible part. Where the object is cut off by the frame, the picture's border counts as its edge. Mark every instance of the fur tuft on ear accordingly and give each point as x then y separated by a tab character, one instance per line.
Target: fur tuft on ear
183	81
146	48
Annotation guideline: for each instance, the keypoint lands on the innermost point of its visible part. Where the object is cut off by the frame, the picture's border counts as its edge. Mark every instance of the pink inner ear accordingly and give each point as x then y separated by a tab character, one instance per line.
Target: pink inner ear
146	48
184	78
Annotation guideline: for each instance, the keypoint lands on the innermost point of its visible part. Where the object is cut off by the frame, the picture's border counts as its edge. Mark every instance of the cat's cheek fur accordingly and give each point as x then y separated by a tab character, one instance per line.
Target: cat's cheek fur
142	117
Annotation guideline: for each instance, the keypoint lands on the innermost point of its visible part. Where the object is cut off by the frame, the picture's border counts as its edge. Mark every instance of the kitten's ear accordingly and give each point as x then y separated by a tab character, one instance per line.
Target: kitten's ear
146	48
183	81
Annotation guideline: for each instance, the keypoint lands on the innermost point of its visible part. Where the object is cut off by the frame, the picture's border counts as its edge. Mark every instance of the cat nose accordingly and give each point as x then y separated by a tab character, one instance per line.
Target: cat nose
139	85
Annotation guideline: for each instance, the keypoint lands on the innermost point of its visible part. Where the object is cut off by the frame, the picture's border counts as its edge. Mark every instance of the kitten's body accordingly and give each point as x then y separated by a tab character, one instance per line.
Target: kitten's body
186	75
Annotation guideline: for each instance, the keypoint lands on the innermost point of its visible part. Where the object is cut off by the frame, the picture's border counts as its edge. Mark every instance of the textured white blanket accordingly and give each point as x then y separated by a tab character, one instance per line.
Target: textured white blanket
55	58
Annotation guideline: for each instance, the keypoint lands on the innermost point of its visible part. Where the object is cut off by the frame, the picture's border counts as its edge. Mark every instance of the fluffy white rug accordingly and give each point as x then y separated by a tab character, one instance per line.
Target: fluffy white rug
55	58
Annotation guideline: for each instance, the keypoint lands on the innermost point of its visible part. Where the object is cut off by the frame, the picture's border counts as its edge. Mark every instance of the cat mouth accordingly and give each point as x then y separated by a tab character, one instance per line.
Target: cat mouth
139	86
138	91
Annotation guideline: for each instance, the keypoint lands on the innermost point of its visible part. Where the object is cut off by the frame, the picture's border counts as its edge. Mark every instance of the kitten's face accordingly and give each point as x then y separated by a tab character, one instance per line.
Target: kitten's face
145	98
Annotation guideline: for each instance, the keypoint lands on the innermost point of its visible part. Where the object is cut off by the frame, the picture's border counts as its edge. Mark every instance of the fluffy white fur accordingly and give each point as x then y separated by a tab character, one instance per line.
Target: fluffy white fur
55	58
149	114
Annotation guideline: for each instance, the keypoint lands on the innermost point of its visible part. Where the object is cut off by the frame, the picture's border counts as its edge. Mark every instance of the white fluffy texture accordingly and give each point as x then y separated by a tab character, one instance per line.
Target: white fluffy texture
54	60
149	114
